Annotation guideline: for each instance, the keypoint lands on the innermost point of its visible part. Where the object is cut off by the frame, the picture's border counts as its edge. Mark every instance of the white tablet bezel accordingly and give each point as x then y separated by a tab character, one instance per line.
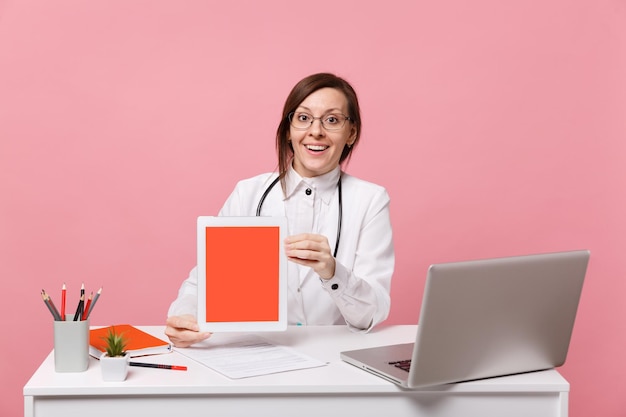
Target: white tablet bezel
205	222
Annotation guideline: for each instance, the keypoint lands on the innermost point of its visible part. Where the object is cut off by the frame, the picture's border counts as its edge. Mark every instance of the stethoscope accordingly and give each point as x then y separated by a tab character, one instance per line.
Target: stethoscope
267	191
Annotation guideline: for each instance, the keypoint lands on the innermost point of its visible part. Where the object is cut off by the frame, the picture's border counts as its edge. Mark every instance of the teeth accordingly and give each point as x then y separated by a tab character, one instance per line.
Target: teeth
316	147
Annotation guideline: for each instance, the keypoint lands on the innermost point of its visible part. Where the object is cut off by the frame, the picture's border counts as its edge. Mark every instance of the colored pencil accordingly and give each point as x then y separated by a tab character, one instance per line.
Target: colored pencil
158	365
50	305
79	308
93	303
43	297
63	298
87	305
82	297
49	301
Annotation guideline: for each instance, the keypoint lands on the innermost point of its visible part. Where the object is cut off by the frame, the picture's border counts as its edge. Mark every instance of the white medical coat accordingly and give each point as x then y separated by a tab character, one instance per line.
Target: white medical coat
359	293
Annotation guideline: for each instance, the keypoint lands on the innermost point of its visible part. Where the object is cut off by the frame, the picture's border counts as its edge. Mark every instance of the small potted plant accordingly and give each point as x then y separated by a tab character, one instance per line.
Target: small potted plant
114	361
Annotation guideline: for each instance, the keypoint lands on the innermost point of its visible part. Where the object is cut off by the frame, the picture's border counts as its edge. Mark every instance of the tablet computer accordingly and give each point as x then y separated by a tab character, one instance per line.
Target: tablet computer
242	274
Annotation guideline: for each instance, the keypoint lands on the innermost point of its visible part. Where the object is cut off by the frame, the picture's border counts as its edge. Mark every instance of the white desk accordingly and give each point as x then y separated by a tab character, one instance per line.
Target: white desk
335	389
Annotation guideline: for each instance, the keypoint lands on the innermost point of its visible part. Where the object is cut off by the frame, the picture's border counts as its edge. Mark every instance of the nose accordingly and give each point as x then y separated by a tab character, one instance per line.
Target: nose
316	128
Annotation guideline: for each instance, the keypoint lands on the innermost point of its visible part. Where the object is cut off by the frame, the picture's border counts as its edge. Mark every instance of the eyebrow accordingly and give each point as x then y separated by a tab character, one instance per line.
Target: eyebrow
333	110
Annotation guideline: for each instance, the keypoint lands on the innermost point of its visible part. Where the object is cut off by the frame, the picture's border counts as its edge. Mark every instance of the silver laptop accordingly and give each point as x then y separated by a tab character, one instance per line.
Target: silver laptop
486	318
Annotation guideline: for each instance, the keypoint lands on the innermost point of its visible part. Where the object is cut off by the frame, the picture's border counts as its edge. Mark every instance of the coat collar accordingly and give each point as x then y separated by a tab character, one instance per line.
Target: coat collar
324	185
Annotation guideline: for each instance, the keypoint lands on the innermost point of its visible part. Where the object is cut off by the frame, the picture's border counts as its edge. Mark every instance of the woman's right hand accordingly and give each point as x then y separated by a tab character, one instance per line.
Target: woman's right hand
183	331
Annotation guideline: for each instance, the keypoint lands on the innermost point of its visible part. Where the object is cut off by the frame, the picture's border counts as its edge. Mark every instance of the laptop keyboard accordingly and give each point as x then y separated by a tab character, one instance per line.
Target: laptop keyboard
405	365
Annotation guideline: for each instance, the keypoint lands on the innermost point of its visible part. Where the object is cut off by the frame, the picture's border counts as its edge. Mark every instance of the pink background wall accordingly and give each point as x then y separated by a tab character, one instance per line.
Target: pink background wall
498	128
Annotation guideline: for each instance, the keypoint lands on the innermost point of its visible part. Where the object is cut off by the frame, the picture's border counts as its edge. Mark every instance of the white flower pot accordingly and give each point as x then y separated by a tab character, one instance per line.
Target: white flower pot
114	369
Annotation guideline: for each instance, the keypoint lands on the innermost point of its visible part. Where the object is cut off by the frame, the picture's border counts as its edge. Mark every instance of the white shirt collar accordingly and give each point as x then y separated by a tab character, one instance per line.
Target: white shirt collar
325	185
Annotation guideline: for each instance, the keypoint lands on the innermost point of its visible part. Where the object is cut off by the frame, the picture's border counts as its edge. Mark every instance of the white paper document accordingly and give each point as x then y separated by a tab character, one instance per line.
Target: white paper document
250	355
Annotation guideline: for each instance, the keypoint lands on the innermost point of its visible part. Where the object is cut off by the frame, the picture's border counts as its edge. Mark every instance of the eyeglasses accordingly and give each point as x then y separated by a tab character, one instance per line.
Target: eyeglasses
302	121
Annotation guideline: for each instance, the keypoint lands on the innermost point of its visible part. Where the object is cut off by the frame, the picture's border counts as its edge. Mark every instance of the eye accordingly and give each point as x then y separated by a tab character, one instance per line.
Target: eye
303	117
331	119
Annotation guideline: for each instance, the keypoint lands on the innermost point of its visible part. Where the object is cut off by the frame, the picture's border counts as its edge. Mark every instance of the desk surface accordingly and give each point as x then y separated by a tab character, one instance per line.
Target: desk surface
321	342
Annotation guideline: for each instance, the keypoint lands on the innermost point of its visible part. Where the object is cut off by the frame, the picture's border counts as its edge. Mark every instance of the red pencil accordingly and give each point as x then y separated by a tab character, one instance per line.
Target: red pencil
63	296
158	365
93	303
86	310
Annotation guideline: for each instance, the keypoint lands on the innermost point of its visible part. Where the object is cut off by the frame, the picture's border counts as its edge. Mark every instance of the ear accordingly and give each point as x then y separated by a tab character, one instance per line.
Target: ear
352	137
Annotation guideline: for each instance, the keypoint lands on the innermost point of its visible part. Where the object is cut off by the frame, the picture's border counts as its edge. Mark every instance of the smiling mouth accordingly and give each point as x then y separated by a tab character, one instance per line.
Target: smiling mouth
316	148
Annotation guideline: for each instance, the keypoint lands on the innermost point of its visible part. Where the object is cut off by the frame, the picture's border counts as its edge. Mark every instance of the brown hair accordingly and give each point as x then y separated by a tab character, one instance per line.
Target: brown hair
302	90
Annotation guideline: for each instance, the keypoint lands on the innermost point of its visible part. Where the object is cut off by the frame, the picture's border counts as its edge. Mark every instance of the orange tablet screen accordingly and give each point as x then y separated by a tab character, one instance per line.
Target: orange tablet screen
242	273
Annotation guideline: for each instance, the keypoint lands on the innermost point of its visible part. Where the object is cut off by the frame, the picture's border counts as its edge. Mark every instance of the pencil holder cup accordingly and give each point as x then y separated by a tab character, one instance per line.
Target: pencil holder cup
71	345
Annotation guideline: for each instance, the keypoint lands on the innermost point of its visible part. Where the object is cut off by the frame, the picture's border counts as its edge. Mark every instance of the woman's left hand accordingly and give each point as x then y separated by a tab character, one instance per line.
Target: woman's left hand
311	250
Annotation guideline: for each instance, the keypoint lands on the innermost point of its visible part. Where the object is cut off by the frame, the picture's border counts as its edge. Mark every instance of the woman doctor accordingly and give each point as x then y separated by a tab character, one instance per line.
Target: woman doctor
340	243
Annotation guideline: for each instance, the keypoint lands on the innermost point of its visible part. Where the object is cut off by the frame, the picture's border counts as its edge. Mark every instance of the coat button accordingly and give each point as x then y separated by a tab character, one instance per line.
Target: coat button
334	286
308	191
